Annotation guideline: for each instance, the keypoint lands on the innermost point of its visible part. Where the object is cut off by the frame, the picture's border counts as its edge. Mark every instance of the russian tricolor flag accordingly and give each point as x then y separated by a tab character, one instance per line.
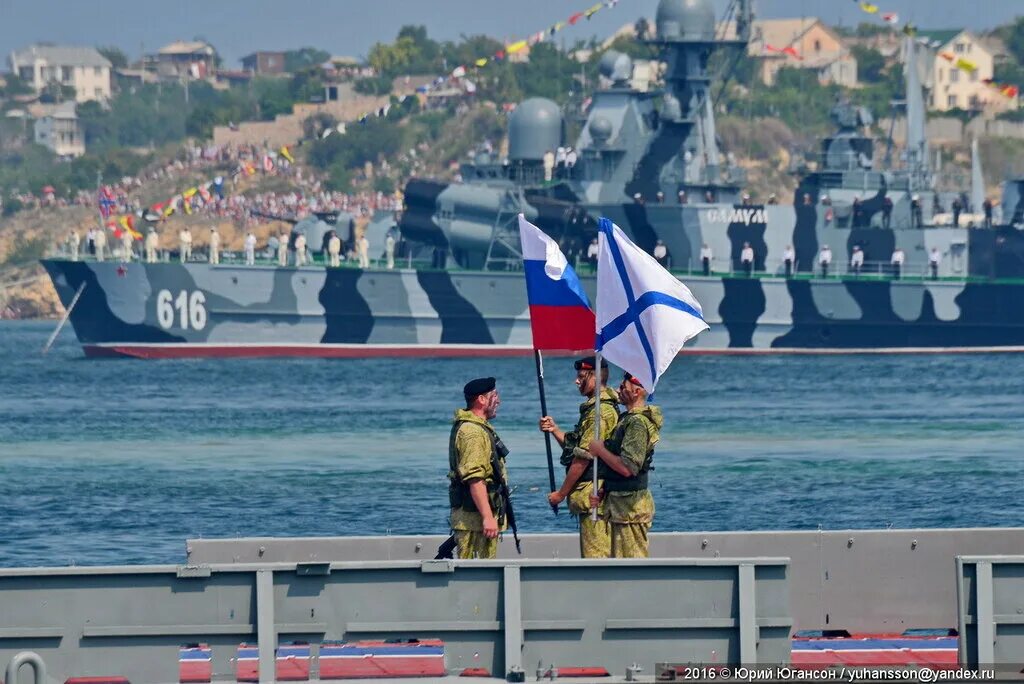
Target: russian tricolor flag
560	313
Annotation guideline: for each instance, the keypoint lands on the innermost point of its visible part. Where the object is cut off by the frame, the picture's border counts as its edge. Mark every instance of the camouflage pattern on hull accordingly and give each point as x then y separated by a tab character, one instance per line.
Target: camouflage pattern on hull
171	309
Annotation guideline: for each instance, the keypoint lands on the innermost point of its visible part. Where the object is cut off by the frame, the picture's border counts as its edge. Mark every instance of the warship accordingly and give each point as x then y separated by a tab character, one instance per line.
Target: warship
651	161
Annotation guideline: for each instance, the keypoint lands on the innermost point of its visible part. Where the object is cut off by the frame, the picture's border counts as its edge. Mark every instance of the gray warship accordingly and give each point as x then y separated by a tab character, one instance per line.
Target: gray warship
652	162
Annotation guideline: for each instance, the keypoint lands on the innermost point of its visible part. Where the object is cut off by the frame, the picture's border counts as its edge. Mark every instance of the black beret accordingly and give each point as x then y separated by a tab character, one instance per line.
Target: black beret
633	379
475	388
588	363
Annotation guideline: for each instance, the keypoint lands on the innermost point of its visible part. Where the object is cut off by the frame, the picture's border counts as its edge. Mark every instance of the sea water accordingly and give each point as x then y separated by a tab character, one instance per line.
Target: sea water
119	461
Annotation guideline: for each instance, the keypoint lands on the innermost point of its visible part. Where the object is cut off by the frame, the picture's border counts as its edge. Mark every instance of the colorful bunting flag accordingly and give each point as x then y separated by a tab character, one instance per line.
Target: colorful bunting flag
966	64
869	8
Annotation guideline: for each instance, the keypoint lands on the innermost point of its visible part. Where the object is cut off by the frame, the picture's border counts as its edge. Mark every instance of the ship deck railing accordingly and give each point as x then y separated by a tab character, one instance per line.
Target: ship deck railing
720	268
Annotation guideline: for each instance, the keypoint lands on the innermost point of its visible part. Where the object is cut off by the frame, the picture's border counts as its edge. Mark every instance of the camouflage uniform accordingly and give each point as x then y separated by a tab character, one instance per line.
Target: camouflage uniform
470	458
595	535
631	512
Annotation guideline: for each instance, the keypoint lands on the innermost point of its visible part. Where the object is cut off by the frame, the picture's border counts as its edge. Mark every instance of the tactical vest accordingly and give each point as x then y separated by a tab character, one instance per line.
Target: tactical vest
614	482
458	491
572	440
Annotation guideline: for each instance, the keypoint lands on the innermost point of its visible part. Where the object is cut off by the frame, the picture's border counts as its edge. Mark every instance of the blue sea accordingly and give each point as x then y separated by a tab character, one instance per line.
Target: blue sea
119	461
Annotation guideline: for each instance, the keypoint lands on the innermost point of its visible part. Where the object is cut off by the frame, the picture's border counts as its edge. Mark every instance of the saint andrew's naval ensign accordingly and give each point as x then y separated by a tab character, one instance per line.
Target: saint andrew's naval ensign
644	315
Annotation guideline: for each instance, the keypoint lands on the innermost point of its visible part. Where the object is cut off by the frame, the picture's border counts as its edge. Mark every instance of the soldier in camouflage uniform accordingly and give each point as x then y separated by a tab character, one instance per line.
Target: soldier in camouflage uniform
595	535
626	458
474	449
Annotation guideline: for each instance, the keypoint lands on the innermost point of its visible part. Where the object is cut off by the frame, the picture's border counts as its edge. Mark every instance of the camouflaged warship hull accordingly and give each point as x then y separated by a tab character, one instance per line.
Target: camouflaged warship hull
196	309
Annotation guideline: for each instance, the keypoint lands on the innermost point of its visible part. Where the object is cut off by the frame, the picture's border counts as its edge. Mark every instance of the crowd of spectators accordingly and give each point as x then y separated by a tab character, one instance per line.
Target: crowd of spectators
230	165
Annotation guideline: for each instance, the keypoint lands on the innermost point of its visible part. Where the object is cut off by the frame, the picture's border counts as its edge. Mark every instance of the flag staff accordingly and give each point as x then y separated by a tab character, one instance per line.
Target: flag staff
543	412
597	421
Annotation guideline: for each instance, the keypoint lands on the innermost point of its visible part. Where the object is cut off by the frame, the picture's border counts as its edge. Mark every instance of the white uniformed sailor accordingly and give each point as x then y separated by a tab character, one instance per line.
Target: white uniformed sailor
151	244
126	246
214	246
934	259
300	250
789	259
898	257
661	253
185	244
705	258
747	258
389	249
101	243
73	242
250	249
824	259
856	260
282	250
363	247
334	250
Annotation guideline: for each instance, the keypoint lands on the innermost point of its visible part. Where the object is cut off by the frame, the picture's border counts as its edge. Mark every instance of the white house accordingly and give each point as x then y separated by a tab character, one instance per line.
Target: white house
59	129
82	68
962	73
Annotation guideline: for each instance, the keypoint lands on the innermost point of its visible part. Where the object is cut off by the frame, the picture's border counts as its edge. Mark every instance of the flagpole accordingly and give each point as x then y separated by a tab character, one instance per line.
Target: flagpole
543	412
597	422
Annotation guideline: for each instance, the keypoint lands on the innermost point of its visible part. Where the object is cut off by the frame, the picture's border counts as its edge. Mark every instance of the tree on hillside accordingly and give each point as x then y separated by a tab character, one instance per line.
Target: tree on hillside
295	60
341	156
867	29
14	86
1009	72
468	50
631	47
313	126
1013	36
411	53
118	59
550	73
870	64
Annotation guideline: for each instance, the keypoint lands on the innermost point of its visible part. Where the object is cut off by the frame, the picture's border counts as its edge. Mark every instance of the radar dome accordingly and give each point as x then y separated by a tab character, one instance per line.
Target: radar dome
600	129
616	66
534	128
685	20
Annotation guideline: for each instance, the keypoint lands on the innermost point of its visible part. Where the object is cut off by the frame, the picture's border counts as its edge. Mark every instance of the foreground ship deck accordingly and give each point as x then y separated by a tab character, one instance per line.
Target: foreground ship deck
351	608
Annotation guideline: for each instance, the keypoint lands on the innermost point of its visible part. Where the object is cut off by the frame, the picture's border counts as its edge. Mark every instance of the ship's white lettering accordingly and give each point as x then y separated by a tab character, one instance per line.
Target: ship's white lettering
744	215
191	309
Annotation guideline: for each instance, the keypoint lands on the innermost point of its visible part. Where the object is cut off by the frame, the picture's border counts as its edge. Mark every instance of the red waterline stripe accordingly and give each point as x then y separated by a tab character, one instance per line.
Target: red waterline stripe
358	351
326	351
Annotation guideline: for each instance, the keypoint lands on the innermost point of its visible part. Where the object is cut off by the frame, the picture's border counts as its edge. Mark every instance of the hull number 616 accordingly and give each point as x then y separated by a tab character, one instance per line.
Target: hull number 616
187	310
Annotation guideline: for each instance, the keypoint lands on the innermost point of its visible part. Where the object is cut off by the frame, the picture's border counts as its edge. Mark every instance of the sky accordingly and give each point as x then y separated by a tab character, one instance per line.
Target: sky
351	27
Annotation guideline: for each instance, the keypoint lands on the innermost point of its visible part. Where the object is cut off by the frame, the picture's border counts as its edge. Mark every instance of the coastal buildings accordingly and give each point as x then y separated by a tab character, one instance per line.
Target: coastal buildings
82	68
962	74
263	63
804	43
194	59
58	128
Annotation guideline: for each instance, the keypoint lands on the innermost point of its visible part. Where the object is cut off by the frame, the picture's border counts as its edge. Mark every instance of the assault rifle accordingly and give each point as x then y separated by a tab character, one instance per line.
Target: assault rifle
447	548
500	452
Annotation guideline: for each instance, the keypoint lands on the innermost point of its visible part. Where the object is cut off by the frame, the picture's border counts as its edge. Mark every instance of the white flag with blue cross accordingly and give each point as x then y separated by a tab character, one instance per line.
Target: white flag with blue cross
644	315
